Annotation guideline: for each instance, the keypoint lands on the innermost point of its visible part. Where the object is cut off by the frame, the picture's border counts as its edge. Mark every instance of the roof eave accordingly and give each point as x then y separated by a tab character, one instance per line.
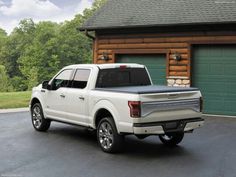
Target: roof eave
155	25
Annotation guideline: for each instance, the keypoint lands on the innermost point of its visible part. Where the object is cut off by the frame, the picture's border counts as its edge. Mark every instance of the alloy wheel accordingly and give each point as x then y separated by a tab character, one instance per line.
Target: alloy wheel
37	118
106	135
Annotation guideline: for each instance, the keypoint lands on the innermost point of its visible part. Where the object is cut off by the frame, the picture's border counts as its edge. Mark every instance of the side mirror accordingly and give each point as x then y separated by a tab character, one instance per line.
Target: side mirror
45	85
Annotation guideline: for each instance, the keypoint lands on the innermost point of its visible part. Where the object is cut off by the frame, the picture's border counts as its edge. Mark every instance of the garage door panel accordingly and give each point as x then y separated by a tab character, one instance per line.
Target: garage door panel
215	69
208	89
215	106
231	106
214	72
230	70
205	79
217	60
212	51
156	65
211	103
202	68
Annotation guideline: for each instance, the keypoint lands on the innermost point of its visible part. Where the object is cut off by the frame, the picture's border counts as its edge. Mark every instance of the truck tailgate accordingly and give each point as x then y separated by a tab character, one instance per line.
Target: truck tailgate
170	106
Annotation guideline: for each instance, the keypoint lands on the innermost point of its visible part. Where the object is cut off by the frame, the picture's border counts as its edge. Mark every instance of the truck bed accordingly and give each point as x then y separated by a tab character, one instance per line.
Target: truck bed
147	89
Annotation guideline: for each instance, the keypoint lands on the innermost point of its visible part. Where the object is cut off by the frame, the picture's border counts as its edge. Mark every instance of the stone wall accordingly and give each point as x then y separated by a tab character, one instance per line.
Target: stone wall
178	82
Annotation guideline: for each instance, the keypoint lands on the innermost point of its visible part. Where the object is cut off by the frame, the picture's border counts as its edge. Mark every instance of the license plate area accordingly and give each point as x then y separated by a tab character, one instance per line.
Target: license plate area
171	125
174	126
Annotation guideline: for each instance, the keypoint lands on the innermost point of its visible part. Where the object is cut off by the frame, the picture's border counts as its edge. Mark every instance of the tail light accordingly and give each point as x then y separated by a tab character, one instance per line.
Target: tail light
201	104
123	66
135	109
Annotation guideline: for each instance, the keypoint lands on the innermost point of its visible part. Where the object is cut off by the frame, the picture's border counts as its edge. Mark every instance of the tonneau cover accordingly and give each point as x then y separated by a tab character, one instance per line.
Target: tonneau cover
147	89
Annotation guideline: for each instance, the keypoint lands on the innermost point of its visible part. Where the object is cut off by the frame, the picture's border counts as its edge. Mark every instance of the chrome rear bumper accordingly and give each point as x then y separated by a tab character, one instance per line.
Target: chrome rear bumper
155	128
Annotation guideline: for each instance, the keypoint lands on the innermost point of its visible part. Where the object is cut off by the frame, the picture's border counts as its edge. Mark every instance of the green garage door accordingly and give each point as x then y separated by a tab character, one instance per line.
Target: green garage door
214	72
156	65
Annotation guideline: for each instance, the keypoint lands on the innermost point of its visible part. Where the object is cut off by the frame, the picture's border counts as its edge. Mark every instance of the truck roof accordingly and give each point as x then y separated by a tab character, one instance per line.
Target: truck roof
106	66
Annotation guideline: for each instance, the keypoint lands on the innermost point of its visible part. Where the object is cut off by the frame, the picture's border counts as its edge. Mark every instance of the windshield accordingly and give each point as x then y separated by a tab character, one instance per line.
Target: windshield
121	77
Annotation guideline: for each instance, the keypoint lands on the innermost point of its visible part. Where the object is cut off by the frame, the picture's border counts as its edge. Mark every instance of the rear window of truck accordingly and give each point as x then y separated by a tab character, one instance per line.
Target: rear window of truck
122	77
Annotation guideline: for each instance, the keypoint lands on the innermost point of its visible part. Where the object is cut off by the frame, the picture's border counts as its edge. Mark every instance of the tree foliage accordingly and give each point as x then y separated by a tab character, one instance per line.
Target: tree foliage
3	38
4	80
34	52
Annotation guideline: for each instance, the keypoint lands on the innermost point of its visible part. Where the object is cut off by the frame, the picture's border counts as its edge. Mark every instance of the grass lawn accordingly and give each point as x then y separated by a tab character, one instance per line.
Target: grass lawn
14	99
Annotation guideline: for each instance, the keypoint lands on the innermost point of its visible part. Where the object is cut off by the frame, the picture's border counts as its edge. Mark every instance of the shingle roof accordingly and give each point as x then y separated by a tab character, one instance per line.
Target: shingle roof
139	13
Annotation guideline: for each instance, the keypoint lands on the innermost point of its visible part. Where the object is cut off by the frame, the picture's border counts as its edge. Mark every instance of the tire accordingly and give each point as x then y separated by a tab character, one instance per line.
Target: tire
38	120
107	136
172	139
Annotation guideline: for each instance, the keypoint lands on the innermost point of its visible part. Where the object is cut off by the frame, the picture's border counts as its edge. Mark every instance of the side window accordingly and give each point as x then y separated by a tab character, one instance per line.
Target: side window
62	80
81	78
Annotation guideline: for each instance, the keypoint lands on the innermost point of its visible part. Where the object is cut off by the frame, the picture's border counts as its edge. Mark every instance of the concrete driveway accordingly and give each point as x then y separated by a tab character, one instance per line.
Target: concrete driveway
69	151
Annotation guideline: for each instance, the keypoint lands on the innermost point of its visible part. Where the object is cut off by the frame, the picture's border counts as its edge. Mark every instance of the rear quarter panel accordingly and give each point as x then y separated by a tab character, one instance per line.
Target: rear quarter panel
116	104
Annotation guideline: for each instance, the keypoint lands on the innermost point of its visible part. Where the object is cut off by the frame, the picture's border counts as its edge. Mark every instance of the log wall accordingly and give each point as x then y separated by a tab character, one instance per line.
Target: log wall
167	44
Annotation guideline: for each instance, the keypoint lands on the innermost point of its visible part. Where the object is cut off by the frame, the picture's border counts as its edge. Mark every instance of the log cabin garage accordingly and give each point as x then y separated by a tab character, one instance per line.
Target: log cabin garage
182	42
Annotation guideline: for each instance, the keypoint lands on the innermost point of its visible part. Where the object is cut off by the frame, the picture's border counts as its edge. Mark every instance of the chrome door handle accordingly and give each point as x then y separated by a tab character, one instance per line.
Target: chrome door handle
81	98
62	95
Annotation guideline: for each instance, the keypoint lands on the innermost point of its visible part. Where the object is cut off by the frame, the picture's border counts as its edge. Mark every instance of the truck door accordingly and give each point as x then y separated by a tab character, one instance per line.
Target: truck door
56	98
77	103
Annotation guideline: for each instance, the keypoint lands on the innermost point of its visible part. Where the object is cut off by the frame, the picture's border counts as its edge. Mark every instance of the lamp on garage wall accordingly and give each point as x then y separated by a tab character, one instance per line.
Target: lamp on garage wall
104	56
177	56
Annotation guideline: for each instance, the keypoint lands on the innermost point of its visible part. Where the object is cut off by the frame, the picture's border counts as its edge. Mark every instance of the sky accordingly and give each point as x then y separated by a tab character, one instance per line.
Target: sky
12	11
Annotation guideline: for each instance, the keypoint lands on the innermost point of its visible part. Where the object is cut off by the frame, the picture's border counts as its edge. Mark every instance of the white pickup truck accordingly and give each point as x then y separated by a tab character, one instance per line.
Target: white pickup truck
116	100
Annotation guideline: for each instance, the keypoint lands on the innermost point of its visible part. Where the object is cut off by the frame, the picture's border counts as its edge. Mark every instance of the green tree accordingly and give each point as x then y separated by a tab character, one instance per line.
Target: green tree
15	45
4	80
3	38
39	61
74	46
35	52
19	83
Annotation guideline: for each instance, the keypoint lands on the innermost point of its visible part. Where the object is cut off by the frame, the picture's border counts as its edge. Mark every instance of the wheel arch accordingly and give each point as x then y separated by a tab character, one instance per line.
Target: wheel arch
101	113
37	100
105	109
33	101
